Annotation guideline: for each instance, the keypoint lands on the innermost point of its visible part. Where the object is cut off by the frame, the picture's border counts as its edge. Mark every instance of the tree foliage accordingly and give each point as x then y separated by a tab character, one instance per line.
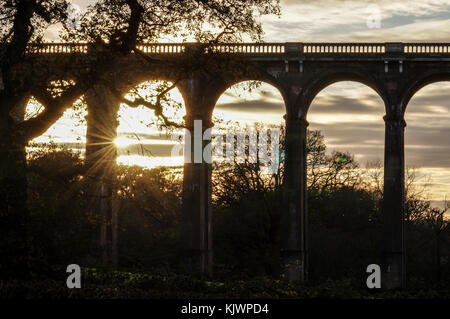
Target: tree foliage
111	29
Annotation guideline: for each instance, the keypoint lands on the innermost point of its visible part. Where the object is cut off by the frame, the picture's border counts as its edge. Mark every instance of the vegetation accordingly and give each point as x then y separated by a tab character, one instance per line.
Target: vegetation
344	232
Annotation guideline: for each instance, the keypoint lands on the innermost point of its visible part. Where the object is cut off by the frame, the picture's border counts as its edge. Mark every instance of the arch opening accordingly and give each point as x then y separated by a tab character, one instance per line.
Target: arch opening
330	80
68	132
344	179
146	201
354	111
142	138
149	178
260	99
246	194
426	153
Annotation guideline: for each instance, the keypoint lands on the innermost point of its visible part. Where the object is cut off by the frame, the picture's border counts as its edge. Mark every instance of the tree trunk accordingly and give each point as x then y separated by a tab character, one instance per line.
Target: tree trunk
101	155
14	215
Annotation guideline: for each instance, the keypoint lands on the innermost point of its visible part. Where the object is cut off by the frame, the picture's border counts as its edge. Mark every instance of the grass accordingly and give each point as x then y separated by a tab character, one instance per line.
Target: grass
102	284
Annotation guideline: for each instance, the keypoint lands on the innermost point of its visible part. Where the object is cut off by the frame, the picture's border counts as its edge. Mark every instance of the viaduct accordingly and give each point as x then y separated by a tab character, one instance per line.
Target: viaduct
396	71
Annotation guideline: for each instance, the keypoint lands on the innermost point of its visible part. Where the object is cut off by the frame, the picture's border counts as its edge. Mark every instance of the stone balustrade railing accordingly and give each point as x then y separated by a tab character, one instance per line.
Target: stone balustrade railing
262	48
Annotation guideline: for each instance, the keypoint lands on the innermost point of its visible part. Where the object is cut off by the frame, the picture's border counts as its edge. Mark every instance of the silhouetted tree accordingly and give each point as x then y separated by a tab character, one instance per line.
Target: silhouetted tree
434	219
22	22
247	198
112	28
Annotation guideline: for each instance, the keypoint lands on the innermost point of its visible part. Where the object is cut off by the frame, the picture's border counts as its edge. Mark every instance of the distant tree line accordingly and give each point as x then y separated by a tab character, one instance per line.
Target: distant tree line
344	222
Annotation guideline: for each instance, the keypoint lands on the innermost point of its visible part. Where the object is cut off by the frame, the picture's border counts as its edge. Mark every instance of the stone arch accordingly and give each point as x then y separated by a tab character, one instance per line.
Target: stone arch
375	152
215	84
419	83
135	122
318	85
269	81
262	77
125	88
35	106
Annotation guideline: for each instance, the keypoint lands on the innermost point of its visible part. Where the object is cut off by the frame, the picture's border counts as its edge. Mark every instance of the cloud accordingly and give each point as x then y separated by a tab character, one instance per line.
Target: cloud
337	20
336	104
258	106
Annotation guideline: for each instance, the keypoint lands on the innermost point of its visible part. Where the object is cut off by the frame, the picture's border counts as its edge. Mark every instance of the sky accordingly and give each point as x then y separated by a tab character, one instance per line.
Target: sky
349	114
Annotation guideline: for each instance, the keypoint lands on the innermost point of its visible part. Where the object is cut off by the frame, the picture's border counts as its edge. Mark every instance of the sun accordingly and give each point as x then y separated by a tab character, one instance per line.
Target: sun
122	141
